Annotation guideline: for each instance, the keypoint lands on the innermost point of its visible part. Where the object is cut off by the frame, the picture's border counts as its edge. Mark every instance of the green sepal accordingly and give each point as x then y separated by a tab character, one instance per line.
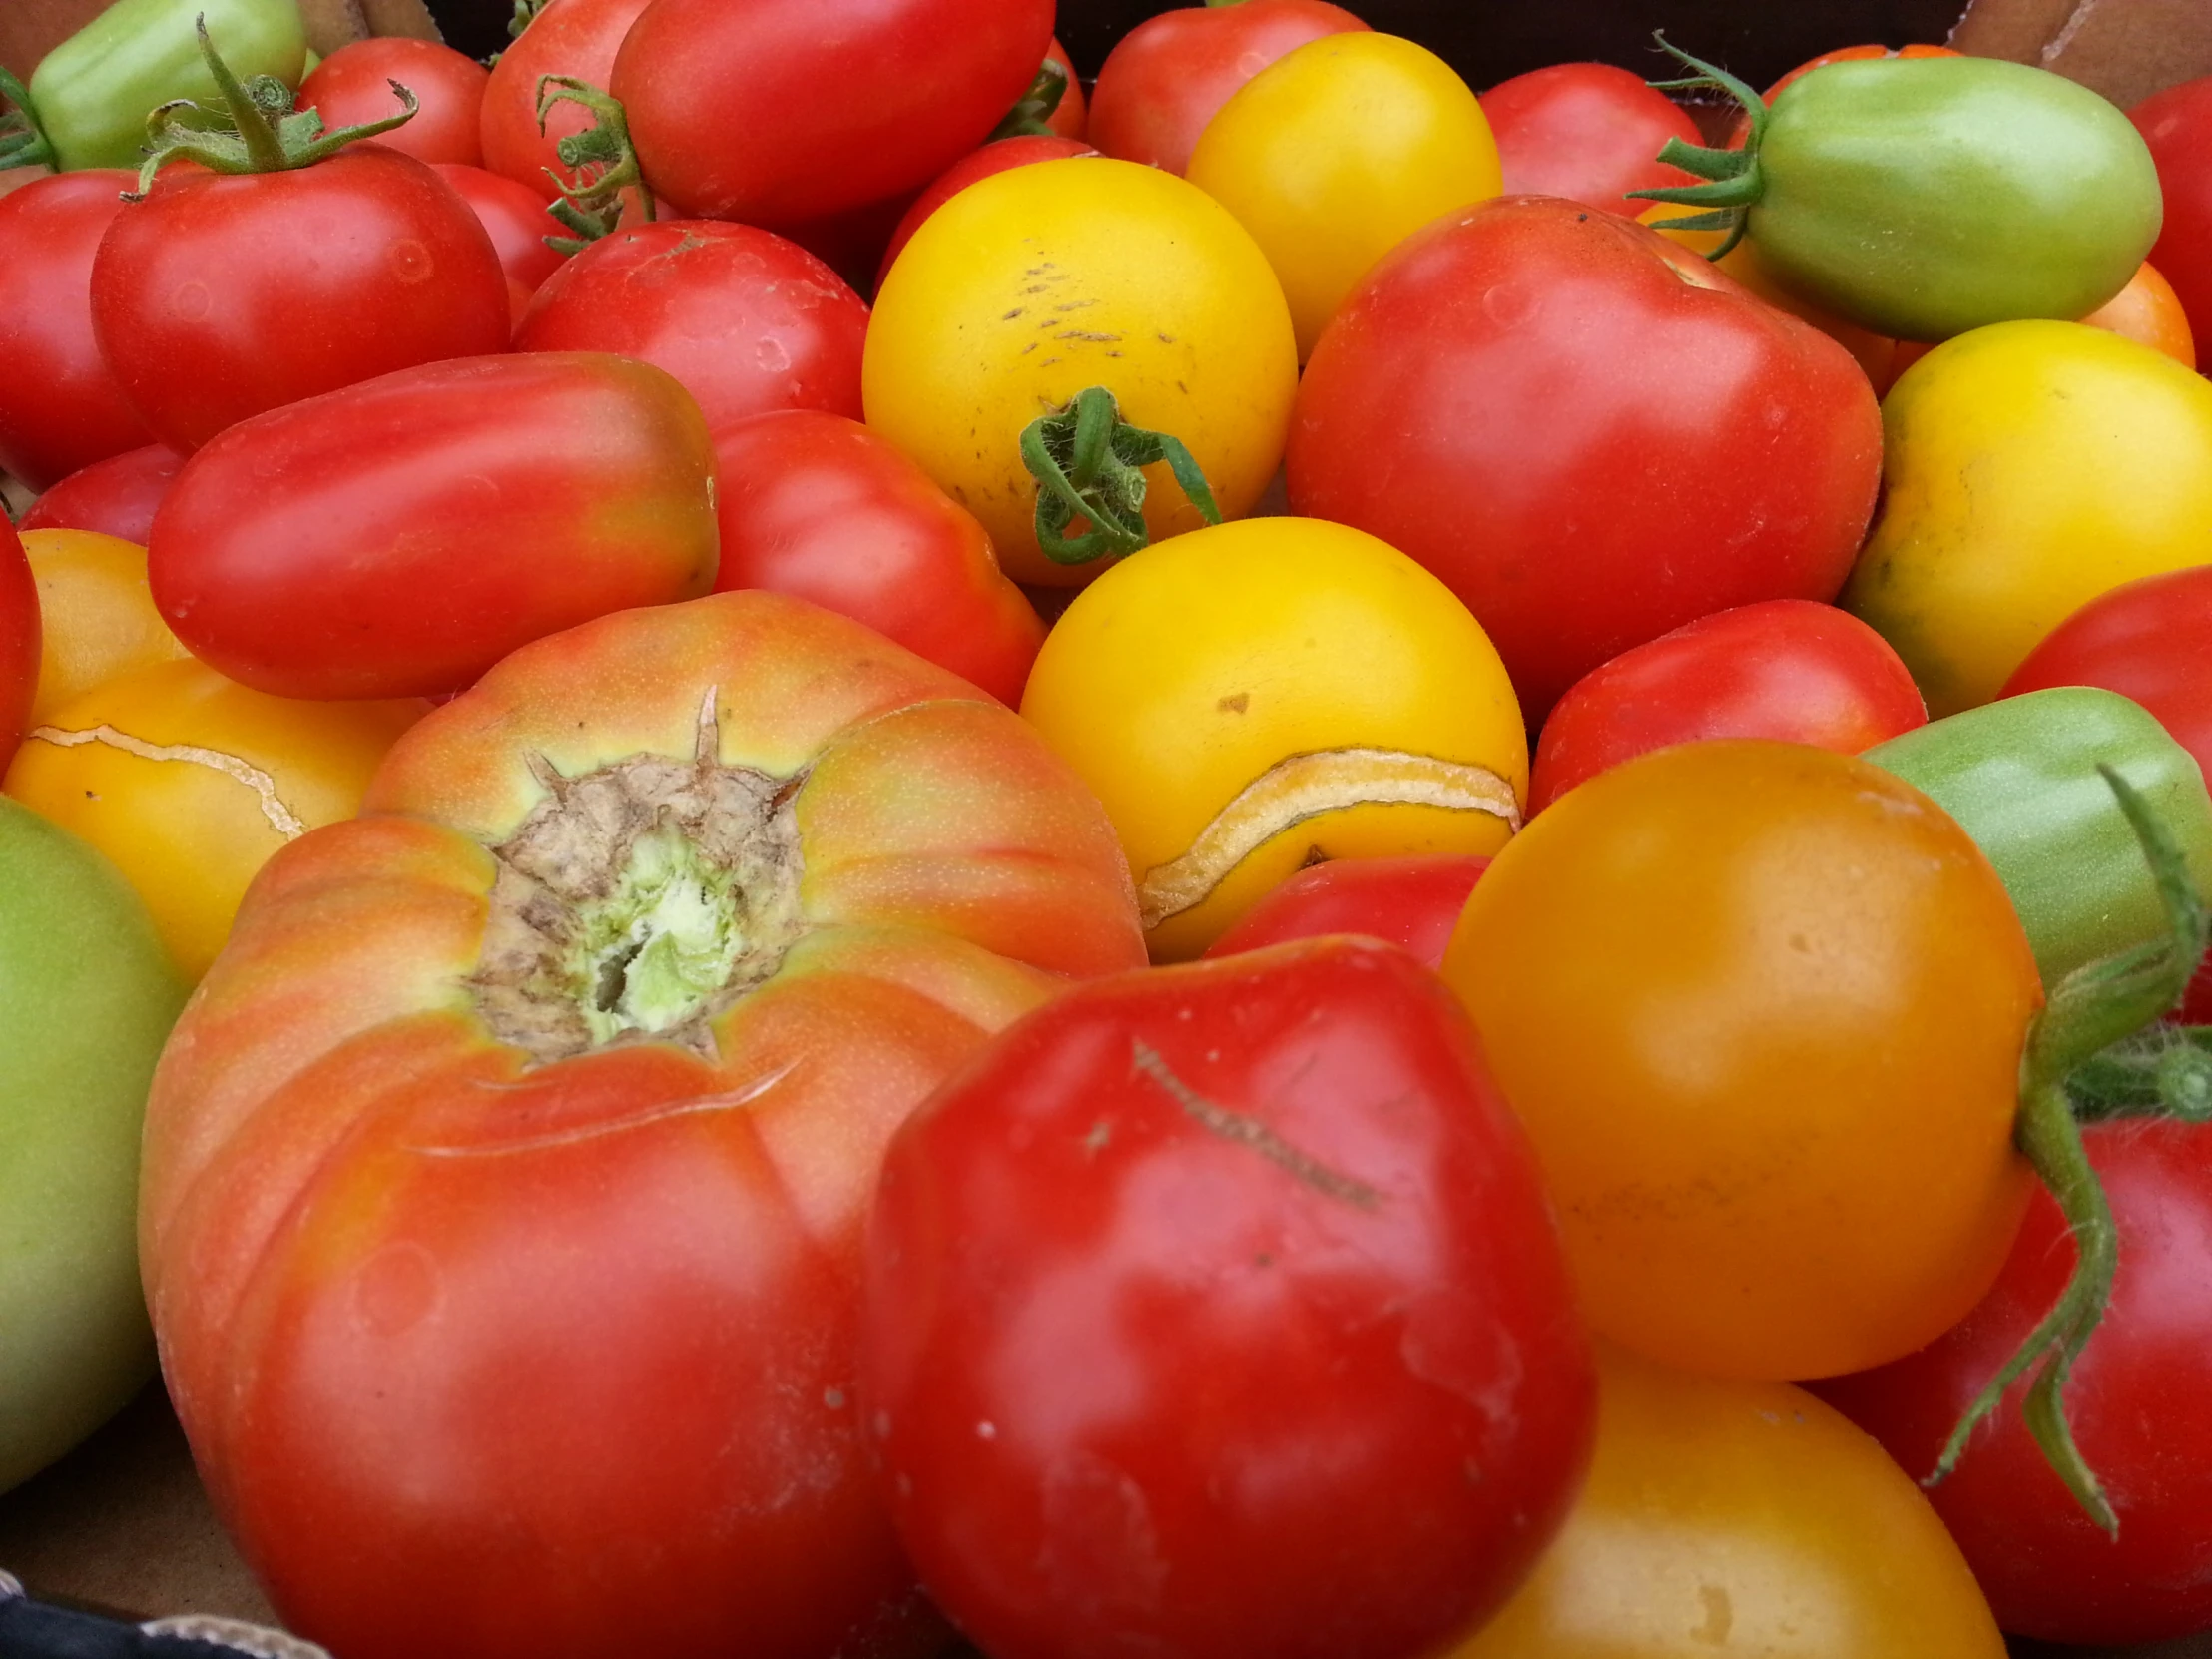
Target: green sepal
1031	115
1086	462
603	158
1733	178
23	142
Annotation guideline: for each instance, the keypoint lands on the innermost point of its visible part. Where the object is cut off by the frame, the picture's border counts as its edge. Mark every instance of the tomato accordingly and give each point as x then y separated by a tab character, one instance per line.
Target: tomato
995	157
2177	125
1219	1310
1740	1518
189	783
1170	74
1787	668
2147	311
354	86
2028	468
514	217
1411	903
1069	117
1336	152
1587	131
2135	1398
97	619
1585	475
1845	54
1037	283
1252	698
206	313
817	506
116	497
1762	1008
59	407
89	998
575	38
744	319
399	538
702	898
20	636
786	111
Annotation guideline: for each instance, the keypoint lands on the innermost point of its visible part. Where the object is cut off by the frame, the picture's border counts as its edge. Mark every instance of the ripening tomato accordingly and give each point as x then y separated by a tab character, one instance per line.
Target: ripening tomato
1842	54
995	157
1762	1007
354	87
2177	125
97	617
1588	131
515	219
20	646
2147	311
572	38
1412	903
116	496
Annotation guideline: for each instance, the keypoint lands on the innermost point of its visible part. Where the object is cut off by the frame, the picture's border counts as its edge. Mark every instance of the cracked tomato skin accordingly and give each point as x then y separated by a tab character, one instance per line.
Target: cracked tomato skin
1218	1313
489	1358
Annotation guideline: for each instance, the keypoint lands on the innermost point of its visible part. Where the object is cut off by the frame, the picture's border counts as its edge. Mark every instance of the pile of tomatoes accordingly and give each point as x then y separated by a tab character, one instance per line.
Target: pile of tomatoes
1230	927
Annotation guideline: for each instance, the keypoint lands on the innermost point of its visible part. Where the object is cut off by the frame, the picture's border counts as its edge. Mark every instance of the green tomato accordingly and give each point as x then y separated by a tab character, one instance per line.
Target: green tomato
90	997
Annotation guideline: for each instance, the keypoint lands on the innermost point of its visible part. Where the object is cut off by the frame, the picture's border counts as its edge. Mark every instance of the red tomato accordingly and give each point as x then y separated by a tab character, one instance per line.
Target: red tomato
1614	438
2177	125
59	407
1787	668
2135	1398
818	506
576	38
514	217
1218	1311
397	538
784	111
978	164
19	640
1166	78
745	320
208	311
1070	116
116	497
352	87
1588	131
1412	903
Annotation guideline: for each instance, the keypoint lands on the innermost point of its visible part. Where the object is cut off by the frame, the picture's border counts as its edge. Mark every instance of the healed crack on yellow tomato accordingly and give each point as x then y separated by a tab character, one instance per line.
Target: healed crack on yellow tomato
1302	787
280	816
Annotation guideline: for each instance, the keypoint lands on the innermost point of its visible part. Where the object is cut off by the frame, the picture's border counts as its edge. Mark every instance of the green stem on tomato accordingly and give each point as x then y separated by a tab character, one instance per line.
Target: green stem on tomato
1088	463
602	157
1031	115
23	142
1733	179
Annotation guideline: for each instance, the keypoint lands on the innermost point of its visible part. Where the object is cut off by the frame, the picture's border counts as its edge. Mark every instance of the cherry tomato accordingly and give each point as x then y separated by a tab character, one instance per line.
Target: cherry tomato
1787	668
1594	484
1588	131
208	313
1070	116
1412	903
575	38
352	87
1762	1008
817	506
1218	1312
97	617
2177	125
59	407
514	217
1170	75
20	646
116	496
978	164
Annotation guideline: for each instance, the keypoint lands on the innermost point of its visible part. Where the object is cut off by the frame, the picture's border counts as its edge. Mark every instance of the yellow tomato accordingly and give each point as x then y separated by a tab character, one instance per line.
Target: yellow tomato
1742	1520
1034	283
1337	152
97	616
1256	698
2027	467
187	782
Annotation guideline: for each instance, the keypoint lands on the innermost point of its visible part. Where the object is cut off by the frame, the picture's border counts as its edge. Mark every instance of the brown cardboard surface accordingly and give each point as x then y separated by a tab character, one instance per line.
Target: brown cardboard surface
2125	49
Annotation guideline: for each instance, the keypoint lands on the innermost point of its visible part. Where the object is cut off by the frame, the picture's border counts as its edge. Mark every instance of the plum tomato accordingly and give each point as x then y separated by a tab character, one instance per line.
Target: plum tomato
514	217
1218	1313
1412	903
1586	130
2177	125
116	496
20	640
1842	54
995	157
354	87
577	39
97	616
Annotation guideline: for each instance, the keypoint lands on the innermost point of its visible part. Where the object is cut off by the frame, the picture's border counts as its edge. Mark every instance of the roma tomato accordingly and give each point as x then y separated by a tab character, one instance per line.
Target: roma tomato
61	408
514	217
1587	131
1788	669
354	86
1255	698
819	507
20	646
116	497
2030	468
572	38
706	897
188	783
1037	284
399	538
1336	153
1843	54
1412	903
2177	125
745	321
995	157
1170	74
1219	1311
97	619
786	110
1584	480
1762	1007
1740	1518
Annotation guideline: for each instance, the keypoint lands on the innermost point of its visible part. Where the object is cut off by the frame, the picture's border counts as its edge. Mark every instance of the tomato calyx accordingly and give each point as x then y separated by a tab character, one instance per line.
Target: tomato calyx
23	142
1086	461
602	157
1031	115
1732	179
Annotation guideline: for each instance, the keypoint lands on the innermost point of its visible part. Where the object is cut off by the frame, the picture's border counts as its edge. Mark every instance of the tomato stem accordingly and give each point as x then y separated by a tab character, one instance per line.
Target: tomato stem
23	142
1733	178
604	159
1086	462
1031	115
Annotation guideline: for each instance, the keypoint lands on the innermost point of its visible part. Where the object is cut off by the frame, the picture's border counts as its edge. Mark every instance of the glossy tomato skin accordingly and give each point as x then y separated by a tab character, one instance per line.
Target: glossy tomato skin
978	164
19	640
352	87
208	314
1194	1303
1787	668
744	319
1583	475
1168	77
2135	1401
1072	114
1589	131
1412	903
793	110
577	38
817	506
2177	125
116	497
399	538
61	408
514	217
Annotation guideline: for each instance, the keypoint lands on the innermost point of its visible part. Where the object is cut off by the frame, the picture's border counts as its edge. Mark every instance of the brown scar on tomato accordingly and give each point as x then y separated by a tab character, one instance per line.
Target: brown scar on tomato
280	816
1245	1130
1235	705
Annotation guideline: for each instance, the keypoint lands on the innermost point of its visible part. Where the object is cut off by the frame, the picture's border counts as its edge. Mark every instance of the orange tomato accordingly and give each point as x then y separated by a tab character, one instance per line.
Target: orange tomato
2146	312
